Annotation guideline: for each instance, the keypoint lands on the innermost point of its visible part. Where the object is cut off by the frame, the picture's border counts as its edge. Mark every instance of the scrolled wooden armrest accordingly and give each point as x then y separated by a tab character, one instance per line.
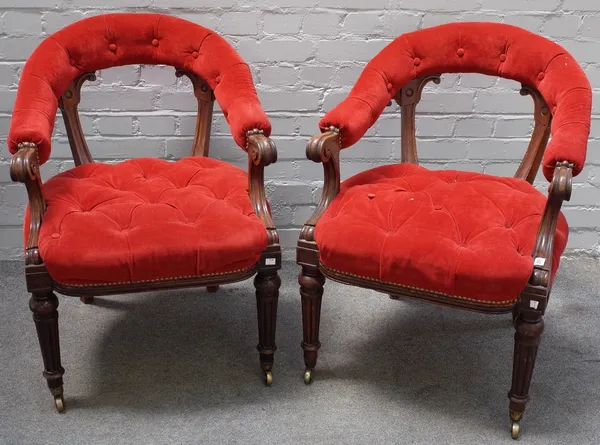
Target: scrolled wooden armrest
559	191
25	168
261	149
261	152
324	148
25	163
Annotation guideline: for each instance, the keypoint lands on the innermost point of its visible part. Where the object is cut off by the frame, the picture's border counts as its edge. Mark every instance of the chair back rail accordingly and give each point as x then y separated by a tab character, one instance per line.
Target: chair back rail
494	49
55	71
69	103
410	95
206	99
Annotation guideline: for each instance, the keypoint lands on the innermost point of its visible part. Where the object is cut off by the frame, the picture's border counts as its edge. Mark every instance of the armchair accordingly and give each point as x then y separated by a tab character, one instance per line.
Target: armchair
143	224
466	240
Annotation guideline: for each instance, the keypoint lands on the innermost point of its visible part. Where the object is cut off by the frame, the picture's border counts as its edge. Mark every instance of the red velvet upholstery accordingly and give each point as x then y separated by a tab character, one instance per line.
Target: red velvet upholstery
488	48
466	235
148	219
120	39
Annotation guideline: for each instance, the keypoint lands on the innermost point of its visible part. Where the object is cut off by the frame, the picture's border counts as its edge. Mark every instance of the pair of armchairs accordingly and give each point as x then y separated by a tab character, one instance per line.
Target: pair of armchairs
465	240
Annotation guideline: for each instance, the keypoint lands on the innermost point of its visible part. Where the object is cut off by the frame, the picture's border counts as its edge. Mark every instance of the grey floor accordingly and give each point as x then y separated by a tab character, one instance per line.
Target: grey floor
180	367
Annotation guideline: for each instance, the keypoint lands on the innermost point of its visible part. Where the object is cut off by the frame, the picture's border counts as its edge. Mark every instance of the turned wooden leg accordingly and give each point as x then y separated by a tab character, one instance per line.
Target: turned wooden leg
212	289
267	294
515	313
86	299
311	282
45	315
529	327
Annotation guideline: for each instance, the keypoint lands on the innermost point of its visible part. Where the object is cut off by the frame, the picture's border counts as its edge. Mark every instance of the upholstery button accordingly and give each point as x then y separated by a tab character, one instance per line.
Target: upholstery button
55	235
390	86
72	62
554	110
371	195
155	42
195	54
112	47
541	76
218	79
460	52
417	61
502	57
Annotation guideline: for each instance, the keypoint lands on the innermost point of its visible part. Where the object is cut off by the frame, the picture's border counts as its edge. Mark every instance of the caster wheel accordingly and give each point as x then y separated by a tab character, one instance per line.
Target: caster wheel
515	430
87	299
268	378
59	402
212	289
308	376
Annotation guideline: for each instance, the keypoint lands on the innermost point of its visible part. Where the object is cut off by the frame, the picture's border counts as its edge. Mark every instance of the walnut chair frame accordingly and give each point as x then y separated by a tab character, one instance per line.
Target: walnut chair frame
529	309
44	303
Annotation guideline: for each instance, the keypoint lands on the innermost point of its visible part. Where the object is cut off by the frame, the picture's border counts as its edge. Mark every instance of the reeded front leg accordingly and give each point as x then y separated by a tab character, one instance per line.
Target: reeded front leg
529	327
267	294
311	289
45	315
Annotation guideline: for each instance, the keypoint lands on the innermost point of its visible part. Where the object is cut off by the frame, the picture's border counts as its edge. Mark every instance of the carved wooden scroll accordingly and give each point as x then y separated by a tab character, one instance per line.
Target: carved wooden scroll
408	98
68	104
539	138
206	99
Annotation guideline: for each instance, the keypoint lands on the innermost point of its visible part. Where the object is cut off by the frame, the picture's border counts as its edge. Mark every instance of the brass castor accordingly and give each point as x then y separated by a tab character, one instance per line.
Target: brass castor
59	402
308	376
268	378
515	429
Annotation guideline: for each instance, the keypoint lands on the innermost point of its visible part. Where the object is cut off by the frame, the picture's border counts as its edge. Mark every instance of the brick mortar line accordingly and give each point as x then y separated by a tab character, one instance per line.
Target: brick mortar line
323	86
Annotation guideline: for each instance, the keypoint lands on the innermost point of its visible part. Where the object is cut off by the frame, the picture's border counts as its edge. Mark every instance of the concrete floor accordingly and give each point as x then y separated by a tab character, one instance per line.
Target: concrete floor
180	367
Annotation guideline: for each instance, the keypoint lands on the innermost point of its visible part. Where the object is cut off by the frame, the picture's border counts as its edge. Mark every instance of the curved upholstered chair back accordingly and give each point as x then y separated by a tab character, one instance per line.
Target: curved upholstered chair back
122	39
487	48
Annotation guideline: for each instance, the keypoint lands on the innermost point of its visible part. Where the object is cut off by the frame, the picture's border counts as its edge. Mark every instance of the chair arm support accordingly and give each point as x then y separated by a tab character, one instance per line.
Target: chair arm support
324	148
261	152
559	191
25	168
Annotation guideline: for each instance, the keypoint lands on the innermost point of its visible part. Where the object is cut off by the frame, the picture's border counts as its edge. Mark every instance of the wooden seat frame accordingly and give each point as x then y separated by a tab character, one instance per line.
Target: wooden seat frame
25	168
530	306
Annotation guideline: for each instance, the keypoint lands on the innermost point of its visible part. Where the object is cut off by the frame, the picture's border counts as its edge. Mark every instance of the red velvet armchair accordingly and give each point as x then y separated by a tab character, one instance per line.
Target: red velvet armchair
143	224
466	240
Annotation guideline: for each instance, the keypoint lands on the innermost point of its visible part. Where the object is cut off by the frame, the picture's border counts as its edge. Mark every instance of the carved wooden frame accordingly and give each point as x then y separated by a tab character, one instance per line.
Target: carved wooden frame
529	308
25	169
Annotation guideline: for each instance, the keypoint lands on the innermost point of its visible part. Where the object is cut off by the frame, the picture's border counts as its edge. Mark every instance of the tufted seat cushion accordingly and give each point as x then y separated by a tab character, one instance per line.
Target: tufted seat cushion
148	219
466	236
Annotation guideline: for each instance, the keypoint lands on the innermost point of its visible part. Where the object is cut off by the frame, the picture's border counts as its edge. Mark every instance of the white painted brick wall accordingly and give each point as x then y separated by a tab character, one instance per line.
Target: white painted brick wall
305	55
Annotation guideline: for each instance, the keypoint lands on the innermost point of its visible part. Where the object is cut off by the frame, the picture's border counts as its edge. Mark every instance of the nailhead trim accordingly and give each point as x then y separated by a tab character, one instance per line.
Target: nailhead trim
157	280
456	297
336	131
251	132
22	145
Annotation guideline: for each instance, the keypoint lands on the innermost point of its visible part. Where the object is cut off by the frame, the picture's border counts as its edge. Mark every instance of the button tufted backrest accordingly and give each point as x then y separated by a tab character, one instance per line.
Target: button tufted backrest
487	48
112	40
